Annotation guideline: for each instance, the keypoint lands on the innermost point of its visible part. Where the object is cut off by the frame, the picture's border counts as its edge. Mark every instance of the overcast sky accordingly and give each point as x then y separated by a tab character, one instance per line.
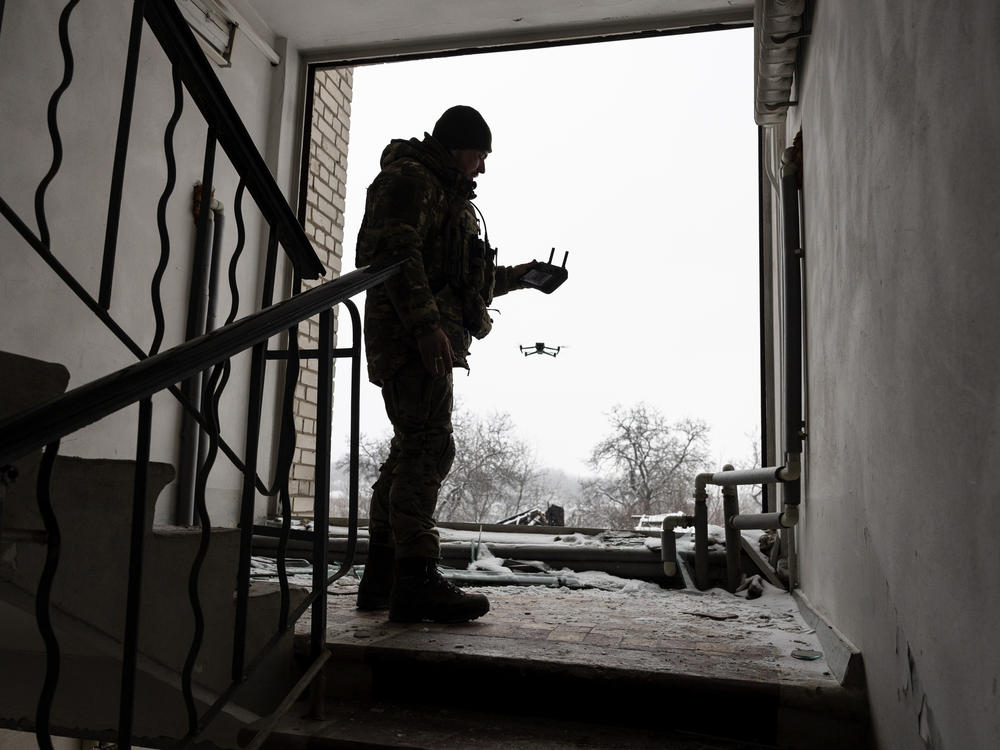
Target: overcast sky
637	157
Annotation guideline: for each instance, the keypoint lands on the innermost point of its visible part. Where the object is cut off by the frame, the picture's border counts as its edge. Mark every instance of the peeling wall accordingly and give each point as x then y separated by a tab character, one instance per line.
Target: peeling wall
898	543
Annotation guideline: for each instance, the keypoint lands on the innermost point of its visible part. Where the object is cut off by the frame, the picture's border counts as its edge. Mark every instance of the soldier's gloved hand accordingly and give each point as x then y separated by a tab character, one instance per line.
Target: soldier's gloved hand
519	272
435	352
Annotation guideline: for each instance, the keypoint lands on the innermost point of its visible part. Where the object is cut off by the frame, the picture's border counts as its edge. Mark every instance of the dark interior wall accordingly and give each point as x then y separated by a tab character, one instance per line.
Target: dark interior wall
899	115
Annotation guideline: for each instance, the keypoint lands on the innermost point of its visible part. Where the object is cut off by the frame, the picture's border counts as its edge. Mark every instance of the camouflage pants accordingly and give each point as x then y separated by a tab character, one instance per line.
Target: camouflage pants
420	456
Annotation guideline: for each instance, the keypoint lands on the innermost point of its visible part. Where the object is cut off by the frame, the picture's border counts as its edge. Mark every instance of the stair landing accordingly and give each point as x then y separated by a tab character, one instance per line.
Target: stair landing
571	668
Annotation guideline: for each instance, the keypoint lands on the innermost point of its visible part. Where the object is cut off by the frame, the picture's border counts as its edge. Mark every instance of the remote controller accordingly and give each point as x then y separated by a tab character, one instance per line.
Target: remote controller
547	277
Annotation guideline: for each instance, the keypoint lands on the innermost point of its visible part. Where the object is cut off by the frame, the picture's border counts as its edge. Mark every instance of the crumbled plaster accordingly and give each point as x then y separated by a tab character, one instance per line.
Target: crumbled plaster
912	694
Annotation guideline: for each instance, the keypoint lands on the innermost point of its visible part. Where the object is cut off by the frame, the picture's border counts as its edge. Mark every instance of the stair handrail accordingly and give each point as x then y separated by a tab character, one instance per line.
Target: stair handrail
44	425
36	427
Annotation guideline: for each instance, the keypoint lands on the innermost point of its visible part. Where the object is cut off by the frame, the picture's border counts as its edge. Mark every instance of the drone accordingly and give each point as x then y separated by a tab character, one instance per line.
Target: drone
541	348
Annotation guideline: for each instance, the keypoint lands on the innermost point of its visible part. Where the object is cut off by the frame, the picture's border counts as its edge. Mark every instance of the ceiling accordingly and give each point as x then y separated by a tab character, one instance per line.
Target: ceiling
344	30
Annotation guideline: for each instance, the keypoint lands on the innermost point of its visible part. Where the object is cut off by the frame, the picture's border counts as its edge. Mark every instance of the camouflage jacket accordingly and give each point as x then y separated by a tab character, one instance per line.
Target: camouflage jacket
418	211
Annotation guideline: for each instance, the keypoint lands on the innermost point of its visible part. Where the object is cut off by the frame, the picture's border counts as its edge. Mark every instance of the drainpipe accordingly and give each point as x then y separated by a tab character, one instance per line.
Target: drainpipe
201	319
217	219
793	254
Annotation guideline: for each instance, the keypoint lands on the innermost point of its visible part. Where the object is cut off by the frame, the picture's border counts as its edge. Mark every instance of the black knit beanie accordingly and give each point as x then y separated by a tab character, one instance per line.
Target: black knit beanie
463	127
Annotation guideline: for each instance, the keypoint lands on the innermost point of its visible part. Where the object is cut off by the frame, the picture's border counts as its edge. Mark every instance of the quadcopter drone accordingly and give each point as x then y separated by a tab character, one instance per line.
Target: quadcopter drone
541	348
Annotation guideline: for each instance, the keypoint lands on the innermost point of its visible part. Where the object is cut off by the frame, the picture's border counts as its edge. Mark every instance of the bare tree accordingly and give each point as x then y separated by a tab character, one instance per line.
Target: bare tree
645	465
495	474
372	453
750	495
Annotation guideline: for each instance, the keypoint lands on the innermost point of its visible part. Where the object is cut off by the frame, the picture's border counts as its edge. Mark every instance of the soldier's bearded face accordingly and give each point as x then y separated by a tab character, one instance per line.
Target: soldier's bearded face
470	162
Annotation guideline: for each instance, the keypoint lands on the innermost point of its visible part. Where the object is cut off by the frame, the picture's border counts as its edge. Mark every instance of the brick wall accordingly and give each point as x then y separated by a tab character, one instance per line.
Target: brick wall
324	224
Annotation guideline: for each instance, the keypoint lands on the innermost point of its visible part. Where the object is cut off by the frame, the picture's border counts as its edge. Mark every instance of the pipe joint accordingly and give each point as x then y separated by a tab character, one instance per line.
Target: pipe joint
672	522
790	516
792	469
700	483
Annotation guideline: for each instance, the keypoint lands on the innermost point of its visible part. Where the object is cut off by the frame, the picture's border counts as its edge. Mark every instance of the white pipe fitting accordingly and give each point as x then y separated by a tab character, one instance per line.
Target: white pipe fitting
792	469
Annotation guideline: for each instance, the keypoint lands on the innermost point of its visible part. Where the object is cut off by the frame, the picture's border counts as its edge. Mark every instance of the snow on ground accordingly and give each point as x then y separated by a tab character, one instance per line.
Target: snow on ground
771	617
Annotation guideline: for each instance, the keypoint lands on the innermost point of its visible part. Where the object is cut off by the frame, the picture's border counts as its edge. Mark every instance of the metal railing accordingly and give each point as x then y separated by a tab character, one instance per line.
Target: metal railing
202	364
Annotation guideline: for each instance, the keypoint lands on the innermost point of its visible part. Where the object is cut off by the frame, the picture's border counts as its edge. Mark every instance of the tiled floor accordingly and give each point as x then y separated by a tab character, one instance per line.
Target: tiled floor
591	656
712	635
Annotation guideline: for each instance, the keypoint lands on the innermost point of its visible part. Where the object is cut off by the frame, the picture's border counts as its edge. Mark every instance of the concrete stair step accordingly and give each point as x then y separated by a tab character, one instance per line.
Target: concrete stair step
355	725
86	703
28	382
92	501
576	692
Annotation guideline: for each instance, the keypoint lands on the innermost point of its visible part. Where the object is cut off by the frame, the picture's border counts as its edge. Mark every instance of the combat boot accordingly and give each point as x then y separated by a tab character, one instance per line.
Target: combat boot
376	581
420	593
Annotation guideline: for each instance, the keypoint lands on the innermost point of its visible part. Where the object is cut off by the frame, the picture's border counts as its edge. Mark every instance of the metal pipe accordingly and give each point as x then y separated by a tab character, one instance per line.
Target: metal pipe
784	520
217	222
321	504
354	470
731	510
701	537
792	245
668	542
792	469
194	328
763	312
668	550
731	477
219	227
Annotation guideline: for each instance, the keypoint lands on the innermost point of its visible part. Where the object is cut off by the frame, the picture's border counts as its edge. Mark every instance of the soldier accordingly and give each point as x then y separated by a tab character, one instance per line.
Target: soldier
418	326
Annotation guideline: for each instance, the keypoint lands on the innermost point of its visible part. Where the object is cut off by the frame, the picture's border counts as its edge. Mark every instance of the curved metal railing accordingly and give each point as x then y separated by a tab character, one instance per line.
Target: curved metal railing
202	364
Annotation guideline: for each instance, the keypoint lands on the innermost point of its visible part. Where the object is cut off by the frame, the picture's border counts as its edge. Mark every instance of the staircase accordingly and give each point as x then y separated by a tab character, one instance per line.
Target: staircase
114	627
91	499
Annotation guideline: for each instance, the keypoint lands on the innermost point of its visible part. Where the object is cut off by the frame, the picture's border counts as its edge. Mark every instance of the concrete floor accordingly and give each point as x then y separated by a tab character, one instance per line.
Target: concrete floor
557	668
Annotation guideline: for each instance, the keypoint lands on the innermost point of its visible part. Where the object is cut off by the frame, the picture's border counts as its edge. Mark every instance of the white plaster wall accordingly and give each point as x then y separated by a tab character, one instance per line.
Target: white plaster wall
898	545
41	317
